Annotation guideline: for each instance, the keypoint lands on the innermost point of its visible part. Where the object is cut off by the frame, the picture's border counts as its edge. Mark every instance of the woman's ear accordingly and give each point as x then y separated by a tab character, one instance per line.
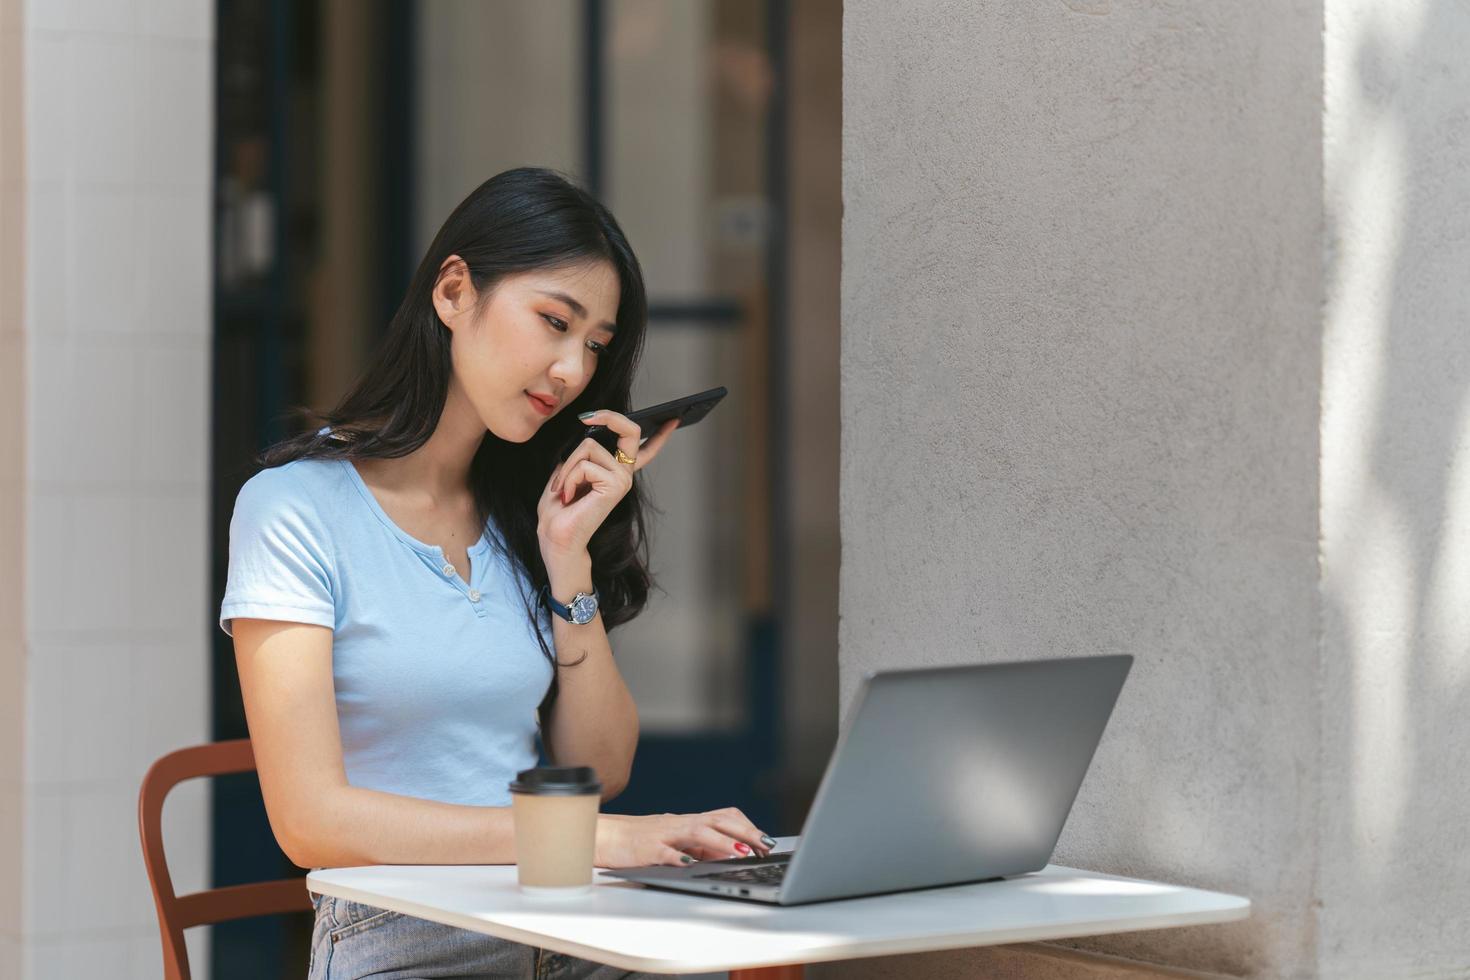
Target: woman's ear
454	293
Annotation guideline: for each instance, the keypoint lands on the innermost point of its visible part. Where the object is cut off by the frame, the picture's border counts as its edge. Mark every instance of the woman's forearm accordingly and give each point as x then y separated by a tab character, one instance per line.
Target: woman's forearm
347	826
594	720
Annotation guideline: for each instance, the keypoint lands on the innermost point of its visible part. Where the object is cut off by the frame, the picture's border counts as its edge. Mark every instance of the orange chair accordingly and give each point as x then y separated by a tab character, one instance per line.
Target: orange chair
177	913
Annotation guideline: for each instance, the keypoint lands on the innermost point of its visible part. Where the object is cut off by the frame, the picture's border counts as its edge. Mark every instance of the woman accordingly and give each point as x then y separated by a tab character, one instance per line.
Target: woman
393	574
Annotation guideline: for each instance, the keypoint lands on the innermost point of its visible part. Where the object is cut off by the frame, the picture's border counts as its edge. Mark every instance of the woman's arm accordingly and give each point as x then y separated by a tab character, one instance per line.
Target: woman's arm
321	821
318	819
594	720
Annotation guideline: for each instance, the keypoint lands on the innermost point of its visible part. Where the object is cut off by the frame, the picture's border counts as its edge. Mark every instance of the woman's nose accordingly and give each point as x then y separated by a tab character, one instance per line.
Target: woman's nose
568	370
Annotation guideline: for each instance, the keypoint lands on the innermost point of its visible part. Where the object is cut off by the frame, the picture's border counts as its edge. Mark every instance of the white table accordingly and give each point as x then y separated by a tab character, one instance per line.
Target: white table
656	931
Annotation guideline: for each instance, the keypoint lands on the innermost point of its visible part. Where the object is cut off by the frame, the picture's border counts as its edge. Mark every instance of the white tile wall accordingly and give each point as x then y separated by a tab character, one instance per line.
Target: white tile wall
48	283
191	20
85	688
88	958
169	255
92	582
171	447
168	609
146	953
104	409
49	542
102	98
173	106
47	15
49	419
106	225
47	92
112	505
87	873
164	685
119	16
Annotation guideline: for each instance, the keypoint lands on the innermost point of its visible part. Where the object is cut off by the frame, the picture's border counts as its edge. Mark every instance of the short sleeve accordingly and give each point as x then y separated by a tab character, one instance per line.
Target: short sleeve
280	555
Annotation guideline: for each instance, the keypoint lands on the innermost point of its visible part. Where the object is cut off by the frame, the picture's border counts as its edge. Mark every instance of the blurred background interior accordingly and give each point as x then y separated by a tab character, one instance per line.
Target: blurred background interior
347	131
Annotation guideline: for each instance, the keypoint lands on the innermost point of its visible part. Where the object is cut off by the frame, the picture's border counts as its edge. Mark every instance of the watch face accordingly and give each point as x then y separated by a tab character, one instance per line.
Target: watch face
584	607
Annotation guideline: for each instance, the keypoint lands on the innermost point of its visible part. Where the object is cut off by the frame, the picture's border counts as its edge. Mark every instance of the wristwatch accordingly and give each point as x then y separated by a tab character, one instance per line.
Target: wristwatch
580	610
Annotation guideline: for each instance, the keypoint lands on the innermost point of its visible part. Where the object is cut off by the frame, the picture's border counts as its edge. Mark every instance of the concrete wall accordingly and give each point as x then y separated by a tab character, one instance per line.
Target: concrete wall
12	483
106	339
1082	292
1156	323
1396	490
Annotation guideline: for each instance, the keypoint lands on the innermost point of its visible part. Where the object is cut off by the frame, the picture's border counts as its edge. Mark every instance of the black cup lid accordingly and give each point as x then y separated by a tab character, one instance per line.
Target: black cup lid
557	781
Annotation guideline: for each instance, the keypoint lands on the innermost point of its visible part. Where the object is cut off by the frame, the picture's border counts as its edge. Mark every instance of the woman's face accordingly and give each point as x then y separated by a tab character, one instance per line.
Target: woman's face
534	344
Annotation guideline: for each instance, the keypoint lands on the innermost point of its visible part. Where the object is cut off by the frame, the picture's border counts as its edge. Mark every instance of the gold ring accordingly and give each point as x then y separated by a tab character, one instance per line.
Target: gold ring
625	458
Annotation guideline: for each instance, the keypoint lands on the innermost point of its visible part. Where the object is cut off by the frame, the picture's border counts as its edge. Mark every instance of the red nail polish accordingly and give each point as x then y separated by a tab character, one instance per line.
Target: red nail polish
743	848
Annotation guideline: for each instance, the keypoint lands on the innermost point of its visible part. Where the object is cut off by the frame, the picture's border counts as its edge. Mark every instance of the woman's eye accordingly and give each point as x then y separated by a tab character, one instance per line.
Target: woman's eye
561	327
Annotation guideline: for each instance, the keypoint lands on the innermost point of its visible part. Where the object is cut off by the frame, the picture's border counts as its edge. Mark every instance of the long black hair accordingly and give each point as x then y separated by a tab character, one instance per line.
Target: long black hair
521	220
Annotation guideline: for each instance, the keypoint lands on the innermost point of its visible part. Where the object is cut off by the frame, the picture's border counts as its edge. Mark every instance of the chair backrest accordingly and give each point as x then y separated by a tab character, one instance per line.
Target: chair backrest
179	912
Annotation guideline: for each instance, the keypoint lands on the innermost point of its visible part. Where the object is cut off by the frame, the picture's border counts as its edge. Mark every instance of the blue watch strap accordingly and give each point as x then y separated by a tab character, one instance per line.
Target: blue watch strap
565	610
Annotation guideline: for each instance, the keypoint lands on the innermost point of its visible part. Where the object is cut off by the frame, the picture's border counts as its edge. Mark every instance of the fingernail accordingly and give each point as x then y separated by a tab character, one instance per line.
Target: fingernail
768	841
586	415
742	848
686	859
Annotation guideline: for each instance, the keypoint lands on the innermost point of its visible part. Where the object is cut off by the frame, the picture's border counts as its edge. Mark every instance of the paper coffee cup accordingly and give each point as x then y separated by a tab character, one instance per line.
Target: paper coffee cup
555	813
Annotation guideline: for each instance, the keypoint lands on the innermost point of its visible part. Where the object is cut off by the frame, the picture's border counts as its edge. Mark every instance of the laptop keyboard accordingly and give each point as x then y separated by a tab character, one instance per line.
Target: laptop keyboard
762	874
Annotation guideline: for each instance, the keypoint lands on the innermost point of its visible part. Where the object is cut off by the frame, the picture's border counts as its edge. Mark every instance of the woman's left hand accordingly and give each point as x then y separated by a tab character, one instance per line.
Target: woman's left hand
585	488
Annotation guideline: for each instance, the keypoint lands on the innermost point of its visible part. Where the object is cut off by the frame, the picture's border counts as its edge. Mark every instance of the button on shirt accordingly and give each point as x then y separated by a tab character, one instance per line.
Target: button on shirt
437	680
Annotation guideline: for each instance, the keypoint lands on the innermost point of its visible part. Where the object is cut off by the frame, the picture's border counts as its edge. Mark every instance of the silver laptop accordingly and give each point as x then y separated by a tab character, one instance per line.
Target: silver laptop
941	775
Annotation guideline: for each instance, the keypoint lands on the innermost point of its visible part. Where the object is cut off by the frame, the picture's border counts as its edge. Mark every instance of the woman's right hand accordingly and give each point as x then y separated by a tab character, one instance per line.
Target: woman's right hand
665	838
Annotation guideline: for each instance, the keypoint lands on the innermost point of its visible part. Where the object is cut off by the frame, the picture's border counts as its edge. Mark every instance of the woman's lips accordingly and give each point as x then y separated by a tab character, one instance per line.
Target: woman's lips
539	405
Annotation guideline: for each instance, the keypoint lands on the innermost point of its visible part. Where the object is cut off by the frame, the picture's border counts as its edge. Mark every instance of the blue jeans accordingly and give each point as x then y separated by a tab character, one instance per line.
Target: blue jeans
351	941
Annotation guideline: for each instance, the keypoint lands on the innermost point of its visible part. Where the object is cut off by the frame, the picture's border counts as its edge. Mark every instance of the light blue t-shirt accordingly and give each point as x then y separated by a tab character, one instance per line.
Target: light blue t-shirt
437	681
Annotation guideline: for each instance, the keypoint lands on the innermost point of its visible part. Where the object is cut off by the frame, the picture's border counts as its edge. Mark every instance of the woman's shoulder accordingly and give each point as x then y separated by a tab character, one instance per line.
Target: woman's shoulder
307	486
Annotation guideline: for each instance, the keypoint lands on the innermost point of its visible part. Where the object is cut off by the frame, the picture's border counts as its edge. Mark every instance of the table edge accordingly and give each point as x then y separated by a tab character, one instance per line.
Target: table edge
1241	908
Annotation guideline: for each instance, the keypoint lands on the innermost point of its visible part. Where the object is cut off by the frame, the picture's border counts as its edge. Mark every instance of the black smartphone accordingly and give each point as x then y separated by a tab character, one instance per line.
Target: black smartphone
688	410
